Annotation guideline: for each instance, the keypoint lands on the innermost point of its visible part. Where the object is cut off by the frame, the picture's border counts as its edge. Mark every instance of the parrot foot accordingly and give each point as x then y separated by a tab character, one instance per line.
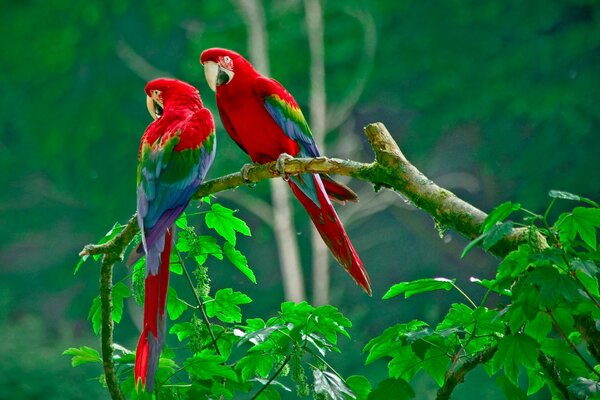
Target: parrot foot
280	165
245	171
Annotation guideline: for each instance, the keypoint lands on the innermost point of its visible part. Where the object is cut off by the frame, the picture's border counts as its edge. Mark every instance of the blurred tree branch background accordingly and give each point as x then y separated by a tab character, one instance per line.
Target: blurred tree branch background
494	100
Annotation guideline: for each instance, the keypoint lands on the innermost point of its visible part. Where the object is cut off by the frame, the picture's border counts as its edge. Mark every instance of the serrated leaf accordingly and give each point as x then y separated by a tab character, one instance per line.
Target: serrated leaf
459	316
120	291
205	246
498	214
360	386
225	223
399	387
514	263
582	221
497	233
82	355
255	363
183	330
175	306
514	352
225	305
239	261
404	364
535	380
205	365
182	222
436	364
539	327
554	286
419	286
260	335
95	315
331	385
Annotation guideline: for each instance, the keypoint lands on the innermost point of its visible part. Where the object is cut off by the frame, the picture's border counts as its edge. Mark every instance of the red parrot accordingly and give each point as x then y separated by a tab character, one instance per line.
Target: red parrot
175	153
265	121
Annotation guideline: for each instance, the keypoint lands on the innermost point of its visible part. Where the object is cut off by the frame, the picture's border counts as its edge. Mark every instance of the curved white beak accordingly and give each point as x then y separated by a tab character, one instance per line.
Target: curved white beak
211	71
155	105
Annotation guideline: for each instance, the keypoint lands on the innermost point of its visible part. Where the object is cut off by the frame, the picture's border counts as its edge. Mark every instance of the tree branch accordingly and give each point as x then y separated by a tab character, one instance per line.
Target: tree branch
390	169
106	306
458	376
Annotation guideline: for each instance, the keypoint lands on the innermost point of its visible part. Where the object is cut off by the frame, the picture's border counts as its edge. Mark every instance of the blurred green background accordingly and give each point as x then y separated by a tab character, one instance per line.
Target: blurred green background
494	100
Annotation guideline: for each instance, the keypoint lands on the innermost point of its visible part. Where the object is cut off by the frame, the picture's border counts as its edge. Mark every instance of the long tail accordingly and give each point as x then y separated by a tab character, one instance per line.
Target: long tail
309	189
153	334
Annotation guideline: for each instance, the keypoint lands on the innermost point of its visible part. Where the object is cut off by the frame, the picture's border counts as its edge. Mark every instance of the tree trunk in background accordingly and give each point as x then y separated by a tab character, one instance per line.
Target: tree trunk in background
283	222
318	124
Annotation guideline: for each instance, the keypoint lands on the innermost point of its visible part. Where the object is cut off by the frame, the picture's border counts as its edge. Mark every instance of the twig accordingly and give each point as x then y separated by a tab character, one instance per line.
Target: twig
200	304
266	385
458	376
570	343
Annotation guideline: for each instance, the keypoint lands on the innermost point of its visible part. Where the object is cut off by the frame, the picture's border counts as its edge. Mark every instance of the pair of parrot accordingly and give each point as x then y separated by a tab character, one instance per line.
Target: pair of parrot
176	152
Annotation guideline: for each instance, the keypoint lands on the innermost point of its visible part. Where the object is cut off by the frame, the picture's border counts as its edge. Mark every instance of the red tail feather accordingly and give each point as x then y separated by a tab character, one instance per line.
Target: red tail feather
153	333
332	231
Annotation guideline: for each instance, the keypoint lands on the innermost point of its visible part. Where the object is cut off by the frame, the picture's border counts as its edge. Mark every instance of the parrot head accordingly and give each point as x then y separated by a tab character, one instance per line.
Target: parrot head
164	93
221	65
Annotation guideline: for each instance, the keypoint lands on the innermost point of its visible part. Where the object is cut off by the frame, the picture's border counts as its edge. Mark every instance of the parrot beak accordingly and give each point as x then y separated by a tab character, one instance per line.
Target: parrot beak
216	75
155	105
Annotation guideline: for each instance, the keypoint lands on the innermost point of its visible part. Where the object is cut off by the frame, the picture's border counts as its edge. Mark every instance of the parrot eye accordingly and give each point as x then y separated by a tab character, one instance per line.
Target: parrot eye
227	59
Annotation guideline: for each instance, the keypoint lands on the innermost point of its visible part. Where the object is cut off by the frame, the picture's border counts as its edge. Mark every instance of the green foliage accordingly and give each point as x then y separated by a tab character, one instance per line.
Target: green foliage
535	331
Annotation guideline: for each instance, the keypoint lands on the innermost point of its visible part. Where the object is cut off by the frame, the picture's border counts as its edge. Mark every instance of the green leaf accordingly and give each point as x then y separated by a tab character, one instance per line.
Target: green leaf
331	385
582	221
391	340
511	390
586	271
498	214
554	286
514	352
472	244
492	285
514	263
436	364
559	194
399	387
239	261
222	220
459	316
95	315
175	306
183	330
255	363
539	327
80	263
419	286
535	380
225	305
114	231
205	246
360	386
182	222
120	291
404	364
82	355
205	365
497	233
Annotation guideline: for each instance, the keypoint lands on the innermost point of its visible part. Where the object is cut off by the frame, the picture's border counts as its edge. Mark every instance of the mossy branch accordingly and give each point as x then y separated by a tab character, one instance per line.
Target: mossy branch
390	169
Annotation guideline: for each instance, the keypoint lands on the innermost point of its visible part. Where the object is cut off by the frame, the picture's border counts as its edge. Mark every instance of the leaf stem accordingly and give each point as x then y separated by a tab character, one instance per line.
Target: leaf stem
272	378
200	303
464	294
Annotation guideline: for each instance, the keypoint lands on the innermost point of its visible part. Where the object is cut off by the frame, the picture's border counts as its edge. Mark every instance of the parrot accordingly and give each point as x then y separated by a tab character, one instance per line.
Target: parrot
265	121
175	153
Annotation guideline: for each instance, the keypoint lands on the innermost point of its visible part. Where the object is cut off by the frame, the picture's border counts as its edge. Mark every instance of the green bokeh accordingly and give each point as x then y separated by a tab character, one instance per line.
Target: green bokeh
496	100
